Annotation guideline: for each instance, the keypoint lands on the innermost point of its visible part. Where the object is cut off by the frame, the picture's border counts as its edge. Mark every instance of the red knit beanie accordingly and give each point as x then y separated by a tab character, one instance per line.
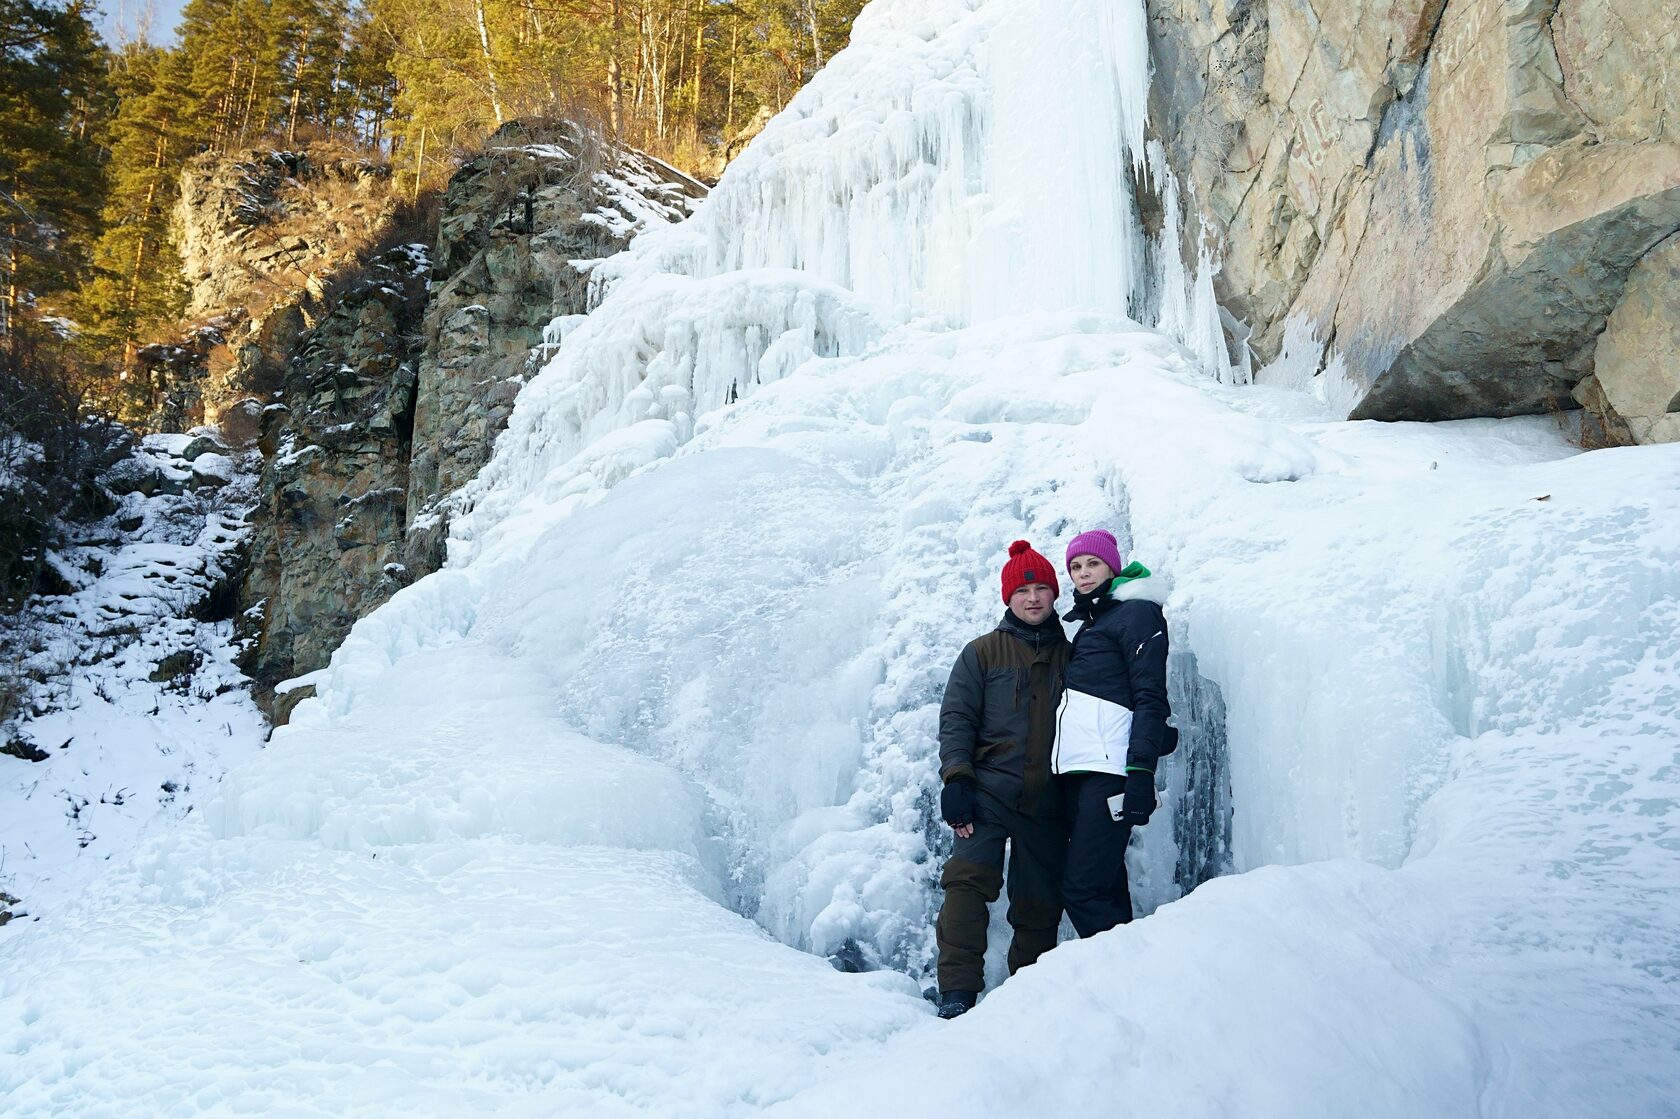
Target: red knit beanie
1027	566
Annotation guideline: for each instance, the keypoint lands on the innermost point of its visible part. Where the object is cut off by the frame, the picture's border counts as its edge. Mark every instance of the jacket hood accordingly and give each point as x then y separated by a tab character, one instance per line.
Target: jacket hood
1136	582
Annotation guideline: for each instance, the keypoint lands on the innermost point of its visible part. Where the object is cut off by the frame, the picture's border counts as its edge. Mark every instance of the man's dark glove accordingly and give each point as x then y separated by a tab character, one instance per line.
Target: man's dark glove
956	803
1140	797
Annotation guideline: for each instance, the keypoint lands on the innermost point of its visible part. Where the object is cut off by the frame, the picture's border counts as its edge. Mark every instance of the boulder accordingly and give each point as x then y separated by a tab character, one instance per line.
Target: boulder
287	701
146	475
175	667
210	470
241	422
1637	364
203	445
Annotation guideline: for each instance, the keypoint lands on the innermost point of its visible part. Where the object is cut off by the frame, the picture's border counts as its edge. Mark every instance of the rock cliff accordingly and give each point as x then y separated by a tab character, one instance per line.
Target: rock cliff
1456	197
515	218
260	234
393	399
327	532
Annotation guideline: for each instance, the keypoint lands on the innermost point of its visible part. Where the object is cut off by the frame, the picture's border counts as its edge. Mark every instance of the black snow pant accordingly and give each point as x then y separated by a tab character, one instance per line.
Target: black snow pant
973	877
1094	886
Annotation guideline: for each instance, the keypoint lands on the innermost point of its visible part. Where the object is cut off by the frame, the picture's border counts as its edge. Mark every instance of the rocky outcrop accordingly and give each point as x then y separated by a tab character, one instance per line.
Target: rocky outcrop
1637	365
327	539
395	397
173	377
1453	194
515	221
260	236
254	229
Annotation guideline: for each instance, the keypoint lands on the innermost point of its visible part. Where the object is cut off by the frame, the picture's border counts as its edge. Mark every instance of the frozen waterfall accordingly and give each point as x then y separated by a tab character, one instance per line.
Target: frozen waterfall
963	162
574	825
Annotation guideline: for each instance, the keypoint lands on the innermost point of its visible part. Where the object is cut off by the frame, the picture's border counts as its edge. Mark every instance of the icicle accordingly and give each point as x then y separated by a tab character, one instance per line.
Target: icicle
1068	97
1306	365
1185	307
1126	41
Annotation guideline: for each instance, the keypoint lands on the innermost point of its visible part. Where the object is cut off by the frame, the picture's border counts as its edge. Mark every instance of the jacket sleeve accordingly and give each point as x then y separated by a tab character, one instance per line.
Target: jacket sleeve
959	716
1144	647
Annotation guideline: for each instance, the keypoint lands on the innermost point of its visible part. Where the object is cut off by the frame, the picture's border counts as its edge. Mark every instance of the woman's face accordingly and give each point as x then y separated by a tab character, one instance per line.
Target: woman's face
1089	572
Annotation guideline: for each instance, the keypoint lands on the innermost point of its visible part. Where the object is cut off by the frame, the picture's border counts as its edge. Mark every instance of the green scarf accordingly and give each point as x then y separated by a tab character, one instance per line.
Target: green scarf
1131	572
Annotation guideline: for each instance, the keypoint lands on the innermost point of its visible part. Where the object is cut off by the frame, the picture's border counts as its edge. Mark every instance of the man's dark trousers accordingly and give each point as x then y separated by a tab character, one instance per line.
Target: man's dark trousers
973	877
1094	886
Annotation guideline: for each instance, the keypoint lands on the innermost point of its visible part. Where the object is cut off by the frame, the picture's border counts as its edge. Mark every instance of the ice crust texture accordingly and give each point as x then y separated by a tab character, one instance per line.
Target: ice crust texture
683	670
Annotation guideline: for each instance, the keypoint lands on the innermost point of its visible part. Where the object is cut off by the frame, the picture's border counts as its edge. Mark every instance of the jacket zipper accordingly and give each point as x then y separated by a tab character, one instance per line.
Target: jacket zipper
1056	755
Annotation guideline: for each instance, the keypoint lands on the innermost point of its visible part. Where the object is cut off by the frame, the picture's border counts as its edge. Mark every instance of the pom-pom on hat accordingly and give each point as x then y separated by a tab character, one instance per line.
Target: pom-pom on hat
1098	542
1027	566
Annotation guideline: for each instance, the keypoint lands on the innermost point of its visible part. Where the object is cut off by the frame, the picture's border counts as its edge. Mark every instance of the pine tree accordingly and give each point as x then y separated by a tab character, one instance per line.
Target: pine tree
53	103
137	288
367	86
308	43
421	81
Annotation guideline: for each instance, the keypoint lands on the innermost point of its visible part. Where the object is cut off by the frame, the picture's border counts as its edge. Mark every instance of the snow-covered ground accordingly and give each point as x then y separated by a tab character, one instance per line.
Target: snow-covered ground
135	706
434	894
573	822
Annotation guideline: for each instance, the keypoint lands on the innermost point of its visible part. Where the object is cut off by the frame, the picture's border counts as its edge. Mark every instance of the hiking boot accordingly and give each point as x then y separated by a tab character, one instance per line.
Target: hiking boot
955	1003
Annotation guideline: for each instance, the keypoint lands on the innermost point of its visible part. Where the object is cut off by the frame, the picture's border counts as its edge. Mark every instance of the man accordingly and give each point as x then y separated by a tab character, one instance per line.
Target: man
996	728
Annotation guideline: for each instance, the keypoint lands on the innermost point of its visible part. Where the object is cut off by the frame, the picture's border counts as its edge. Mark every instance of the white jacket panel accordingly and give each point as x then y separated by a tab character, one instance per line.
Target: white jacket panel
1092	735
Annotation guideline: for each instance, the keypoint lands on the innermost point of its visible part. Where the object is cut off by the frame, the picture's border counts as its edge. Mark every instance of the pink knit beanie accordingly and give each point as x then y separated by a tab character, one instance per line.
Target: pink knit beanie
1098	542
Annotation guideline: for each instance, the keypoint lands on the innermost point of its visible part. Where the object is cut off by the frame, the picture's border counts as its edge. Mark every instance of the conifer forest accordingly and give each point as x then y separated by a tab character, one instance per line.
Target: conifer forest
95	134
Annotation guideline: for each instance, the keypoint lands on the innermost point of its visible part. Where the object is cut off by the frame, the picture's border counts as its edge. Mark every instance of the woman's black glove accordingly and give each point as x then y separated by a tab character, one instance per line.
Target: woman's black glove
956	803
1140	797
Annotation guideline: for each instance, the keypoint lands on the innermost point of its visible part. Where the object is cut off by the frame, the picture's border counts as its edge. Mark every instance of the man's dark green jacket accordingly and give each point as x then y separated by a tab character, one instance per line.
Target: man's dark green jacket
998	719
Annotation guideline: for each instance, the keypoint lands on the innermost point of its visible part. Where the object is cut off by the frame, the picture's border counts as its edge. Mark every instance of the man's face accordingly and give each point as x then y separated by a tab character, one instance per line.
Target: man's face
1089	572
1031	602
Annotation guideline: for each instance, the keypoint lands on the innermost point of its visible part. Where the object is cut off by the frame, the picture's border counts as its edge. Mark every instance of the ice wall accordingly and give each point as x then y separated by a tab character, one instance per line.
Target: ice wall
961	162
962	158
629	380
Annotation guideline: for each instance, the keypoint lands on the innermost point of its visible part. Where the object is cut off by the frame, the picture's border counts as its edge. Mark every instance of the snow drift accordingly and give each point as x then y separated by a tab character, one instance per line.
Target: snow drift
687	657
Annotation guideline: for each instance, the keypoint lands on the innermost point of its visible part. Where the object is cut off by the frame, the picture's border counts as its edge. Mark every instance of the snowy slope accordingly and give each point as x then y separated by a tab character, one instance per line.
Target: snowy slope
432	893
136	707
687	657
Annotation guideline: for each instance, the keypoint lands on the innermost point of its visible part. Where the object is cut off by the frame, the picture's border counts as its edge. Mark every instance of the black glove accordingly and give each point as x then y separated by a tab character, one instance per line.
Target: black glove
1140	797
956	803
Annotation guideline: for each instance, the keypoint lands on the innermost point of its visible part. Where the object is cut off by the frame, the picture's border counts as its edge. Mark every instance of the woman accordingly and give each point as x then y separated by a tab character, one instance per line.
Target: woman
1112	727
